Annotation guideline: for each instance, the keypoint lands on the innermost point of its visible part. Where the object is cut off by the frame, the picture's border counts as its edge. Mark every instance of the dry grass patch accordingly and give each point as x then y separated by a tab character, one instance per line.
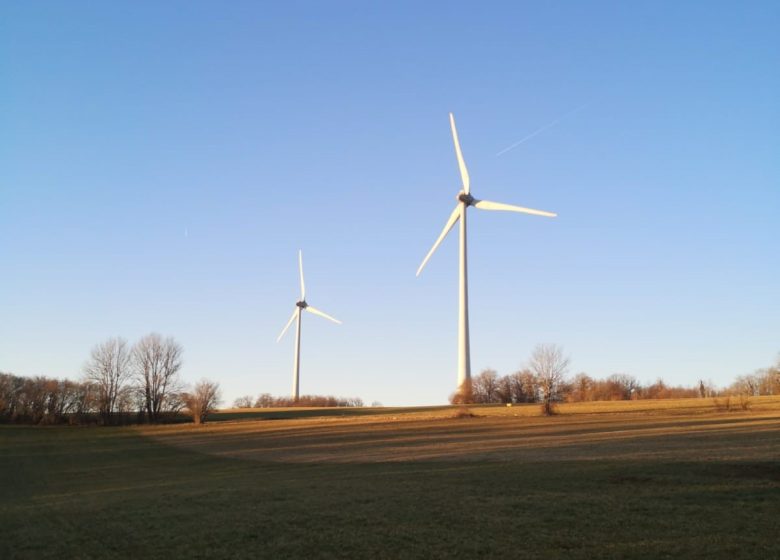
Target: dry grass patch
495	434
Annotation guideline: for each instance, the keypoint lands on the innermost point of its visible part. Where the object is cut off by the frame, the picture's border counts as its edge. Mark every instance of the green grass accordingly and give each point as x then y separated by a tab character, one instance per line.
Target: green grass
118	493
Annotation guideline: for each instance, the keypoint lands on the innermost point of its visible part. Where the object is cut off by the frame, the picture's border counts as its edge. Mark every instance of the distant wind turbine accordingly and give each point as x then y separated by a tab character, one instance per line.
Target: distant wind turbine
465	199
300	305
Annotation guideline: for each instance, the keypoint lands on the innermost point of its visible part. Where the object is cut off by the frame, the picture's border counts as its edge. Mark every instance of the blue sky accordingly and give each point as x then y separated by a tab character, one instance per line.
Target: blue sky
162	162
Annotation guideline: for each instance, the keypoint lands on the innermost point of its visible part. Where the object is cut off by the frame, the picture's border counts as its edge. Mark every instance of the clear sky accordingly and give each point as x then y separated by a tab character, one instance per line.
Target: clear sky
162	162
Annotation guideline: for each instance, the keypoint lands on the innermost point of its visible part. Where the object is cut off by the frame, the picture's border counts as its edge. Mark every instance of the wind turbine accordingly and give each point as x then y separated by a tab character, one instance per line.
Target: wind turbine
300	306
465	199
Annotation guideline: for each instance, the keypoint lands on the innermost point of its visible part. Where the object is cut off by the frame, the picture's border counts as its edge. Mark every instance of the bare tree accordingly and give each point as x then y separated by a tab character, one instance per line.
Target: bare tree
523	387
205	398
108	369
485	387
774	374
707	388
549	366
768	381
504	391
243	402
8	396
265	400
747	385
156	365
84	401
761	382
622	386
582	388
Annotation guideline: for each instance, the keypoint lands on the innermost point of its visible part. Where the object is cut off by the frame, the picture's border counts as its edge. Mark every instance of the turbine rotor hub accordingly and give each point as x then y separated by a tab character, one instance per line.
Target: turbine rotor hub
466	199
302	304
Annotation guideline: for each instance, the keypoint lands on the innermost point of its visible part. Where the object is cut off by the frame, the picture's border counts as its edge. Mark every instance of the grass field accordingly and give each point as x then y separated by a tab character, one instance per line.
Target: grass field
601	480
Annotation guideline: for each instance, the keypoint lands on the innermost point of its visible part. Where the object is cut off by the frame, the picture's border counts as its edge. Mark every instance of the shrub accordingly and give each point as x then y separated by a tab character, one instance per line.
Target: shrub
204	399
464	394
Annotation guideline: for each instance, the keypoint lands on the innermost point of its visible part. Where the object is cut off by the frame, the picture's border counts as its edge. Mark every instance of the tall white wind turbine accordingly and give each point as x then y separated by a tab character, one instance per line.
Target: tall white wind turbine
300	306
465	199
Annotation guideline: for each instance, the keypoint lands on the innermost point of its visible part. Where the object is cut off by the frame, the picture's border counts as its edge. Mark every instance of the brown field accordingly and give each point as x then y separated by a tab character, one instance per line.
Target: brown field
664	479
663	430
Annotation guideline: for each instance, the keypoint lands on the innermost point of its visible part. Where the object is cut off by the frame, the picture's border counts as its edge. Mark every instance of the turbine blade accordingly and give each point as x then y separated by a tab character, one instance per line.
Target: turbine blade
487	205
447	227
287	326
464	173
300	270
316	311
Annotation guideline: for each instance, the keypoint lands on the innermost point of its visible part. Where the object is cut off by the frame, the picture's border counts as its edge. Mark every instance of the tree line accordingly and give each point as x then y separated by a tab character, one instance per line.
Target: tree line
266	400
125	383
122	383
545	381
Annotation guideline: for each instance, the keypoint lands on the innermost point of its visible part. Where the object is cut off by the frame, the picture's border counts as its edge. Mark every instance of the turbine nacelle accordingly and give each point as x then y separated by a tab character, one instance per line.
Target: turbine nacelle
466	198
302	304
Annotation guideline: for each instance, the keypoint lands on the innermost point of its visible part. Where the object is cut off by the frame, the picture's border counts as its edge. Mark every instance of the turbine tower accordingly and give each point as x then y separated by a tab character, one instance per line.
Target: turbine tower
300	306
465	199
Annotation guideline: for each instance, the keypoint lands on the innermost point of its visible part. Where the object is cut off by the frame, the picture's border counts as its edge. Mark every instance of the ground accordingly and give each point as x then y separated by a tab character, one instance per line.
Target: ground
614	480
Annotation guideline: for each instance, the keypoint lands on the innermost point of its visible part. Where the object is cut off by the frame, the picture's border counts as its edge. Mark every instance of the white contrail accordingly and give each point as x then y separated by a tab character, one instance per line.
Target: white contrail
539	130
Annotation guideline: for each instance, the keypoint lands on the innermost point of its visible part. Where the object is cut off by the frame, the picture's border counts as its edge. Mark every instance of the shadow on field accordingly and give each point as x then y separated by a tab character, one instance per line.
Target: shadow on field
627	437
117	493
